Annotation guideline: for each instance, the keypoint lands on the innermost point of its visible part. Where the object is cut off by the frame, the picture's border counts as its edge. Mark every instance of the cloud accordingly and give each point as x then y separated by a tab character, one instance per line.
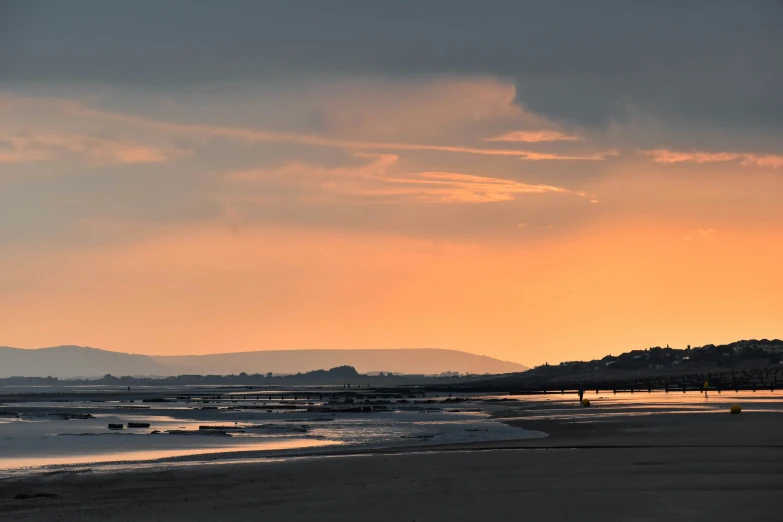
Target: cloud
522	154
50	147
333	177
671	156
536	136
258	135
595	156
313	184
769	160
253	135
421	110
456	187
569	60
668	156
12	154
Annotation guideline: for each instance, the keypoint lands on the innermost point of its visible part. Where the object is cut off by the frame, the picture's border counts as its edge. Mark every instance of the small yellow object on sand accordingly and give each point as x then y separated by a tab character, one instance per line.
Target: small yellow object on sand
585	402
736	408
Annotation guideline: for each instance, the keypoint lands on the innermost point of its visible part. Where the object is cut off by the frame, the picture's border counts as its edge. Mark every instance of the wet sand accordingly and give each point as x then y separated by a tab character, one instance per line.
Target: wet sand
76	428
660	466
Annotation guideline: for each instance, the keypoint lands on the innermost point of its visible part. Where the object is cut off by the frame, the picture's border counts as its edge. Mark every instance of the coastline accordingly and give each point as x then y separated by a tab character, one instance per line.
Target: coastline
556	423
43	433
593	465
619	470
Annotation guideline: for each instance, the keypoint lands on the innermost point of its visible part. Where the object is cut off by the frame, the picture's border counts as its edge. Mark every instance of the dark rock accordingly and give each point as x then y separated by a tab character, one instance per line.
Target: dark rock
197	432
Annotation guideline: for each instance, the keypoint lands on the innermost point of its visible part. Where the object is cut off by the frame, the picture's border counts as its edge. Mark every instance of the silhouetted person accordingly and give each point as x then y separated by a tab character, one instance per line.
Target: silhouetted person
581	392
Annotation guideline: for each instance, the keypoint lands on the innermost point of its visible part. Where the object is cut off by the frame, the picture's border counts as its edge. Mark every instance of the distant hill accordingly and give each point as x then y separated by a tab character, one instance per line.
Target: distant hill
407	361
77	361
74	361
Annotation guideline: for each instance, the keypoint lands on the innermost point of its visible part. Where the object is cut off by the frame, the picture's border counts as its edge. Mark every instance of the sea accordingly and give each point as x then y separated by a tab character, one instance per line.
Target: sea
51	430
47	429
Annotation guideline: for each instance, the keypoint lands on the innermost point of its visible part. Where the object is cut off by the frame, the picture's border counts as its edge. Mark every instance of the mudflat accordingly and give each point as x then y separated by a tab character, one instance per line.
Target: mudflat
651	467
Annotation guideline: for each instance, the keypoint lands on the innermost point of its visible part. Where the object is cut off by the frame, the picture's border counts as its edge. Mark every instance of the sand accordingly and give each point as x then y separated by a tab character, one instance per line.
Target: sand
686	466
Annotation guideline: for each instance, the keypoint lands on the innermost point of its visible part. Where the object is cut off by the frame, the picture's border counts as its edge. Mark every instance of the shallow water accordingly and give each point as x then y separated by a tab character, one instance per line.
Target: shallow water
660	399
36	433
91	457
555	406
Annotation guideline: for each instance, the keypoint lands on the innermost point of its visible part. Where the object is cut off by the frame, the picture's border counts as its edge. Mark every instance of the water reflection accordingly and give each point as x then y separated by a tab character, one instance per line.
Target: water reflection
154	454
555	406
67	429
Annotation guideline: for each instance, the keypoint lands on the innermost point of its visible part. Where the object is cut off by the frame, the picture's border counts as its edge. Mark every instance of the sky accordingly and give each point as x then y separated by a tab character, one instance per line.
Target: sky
534	181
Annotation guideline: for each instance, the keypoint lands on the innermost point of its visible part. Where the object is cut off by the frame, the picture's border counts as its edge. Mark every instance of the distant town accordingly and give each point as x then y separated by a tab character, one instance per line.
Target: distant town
739	355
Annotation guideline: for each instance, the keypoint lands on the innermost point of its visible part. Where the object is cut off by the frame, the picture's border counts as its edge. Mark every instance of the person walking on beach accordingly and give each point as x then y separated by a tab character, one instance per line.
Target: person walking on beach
581	392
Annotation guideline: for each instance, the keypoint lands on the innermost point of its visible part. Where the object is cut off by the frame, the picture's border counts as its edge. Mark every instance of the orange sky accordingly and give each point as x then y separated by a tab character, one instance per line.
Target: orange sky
201	289
363	212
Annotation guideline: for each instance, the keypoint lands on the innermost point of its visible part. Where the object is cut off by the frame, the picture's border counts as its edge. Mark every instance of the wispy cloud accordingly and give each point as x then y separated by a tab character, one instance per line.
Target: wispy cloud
13	154
521	154
257	135
668	156
457	187
75	109
701	233
595	156
48	147
770	160
373	180
535	136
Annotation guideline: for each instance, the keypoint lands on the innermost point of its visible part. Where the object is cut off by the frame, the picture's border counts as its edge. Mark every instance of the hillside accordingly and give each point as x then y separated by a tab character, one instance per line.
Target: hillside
77	361
738	355
408	361
74	361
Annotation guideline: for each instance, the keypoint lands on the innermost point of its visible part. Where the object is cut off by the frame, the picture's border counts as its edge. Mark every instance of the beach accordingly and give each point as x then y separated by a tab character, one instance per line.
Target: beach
404	261
647	464
62	429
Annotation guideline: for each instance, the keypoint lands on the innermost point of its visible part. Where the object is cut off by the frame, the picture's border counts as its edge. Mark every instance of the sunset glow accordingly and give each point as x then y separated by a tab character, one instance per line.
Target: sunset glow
375	207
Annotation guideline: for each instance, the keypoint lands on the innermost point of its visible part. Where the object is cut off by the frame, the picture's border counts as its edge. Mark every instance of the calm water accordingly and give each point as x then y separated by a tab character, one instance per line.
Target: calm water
73	431
603	404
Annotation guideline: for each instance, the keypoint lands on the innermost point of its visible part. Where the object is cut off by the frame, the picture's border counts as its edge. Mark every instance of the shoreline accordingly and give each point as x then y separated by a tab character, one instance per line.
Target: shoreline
563	425
241	457
546	434
261	432
657	467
